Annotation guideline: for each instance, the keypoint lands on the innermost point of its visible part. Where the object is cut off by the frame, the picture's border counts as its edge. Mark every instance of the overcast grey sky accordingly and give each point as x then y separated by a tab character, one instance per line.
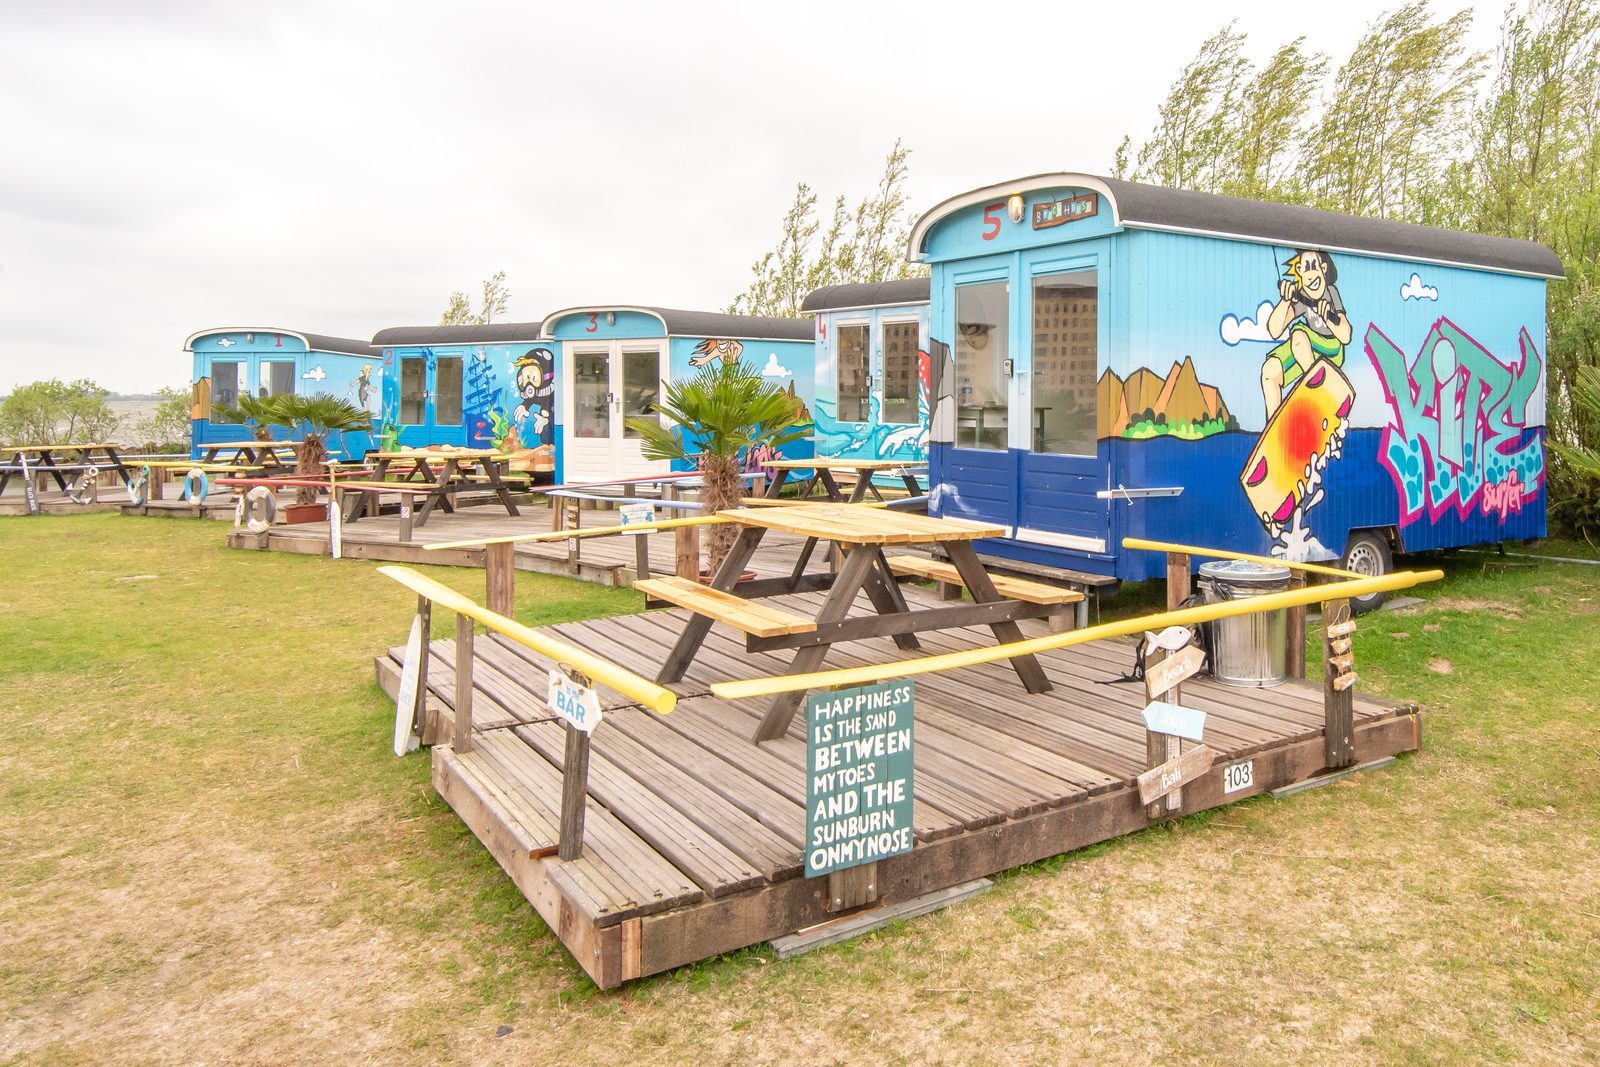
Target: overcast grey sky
171	165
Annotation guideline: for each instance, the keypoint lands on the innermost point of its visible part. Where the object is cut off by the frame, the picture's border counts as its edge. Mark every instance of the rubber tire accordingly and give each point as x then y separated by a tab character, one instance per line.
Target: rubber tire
1367	553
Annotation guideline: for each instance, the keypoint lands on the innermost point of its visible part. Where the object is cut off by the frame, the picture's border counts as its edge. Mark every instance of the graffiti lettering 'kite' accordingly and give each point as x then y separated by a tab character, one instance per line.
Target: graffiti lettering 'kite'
1458	434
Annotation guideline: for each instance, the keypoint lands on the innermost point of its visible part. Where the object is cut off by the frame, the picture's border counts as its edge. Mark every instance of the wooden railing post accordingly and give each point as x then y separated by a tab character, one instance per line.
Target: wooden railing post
574	793
427	730
462	742
1338	684
573	520
500	578
1177	579
1294	654
641	553
687	543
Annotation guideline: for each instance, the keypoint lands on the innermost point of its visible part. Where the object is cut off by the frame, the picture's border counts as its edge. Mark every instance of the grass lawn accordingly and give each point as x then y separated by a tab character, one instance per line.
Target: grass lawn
208	853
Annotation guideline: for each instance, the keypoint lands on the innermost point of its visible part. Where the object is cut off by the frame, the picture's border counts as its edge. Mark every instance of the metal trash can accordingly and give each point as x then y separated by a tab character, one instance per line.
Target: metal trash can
1246	650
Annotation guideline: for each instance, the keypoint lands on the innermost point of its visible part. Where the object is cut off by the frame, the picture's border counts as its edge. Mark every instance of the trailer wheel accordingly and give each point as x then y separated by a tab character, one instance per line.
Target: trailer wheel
1367	554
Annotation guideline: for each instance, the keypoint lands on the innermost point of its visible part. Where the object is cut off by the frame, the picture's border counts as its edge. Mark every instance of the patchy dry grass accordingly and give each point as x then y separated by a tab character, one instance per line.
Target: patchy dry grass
208	855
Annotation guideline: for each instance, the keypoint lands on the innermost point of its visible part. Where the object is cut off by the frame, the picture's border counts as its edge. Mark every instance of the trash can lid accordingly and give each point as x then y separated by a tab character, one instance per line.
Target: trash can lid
1245	572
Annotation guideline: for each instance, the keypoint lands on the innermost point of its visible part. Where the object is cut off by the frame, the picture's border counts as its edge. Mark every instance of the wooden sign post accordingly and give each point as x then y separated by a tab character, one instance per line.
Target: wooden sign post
30	486
1167	721
1338	680
572	698
860	781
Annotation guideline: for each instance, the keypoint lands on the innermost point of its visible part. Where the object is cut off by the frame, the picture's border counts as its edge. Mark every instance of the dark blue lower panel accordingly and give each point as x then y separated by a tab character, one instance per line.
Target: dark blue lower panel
1359	491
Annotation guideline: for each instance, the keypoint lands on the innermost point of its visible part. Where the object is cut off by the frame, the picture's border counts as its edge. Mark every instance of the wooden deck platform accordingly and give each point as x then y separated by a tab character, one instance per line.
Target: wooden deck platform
603	560
694	832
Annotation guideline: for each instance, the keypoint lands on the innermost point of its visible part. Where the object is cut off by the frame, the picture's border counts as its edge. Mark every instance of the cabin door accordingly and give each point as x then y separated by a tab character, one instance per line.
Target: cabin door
1054	411
606	384
430	400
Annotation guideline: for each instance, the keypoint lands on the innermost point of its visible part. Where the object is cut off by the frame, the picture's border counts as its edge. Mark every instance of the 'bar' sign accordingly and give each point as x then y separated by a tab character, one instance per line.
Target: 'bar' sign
859	776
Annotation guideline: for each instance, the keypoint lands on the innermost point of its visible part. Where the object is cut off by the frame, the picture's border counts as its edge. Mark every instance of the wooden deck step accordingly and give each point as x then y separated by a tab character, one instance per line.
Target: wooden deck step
1015	588
760	620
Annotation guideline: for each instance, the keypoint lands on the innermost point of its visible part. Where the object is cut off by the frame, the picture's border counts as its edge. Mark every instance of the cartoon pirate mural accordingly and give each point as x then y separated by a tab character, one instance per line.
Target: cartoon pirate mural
1308	401
712	348
536	390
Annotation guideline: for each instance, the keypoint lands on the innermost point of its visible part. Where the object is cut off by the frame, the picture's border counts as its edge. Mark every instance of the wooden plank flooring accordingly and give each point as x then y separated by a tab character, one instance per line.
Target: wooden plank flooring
605	560
694	833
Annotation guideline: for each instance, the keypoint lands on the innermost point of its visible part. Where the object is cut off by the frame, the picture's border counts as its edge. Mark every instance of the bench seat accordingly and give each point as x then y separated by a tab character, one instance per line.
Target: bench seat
1015	588
756	619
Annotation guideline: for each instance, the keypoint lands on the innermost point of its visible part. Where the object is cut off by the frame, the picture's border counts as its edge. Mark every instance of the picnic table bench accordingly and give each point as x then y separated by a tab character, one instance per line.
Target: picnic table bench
29	461
861	533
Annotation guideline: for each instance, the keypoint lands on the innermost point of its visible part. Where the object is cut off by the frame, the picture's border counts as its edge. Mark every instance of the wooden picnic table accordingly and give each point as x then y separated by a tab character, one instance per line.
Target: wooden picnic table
822	468
36	459
862	533
252	454
416	466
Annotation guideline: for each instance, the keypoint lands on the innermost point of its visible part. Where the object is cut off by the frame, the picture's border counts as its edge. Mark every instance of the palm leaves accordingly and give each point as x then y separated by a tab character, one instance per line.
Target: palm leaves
1586	398
721	411
317	416
714	417
258	413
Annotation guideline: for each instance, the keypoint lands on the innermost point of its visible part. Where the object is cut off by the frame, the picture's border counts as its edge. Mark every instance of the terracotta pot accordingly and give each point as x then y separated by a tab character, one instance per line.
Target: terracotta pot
744	576
293	514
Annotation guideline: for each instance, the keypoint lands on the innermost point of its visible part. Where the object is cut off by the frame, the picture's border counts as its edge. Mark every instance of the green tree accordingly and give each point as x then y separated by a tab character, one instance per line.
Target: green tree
1270	124
493	300
56	412
1397	115
168	425
1192	143
867	245
714	417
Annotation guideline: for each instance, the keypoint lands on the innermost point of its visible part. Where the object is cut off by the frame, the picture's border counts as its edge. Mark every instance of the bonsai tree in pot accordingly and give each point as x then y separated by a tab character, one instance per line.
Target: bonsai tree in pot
711	420
317	416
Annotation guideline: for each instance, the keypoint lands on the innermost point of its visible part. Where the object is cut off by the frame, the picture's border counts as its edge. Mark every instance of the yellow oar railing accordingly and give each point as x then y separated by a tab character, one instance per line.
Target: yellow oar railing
1217	553
871	673
602	671
595	669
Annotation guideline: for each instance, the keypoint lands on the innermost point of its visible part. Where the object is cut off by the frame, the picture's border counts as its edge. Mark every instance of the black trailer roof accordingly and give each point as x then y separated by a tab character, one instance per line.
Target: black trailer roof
678	323
317	342
488	333
897	293
1139	206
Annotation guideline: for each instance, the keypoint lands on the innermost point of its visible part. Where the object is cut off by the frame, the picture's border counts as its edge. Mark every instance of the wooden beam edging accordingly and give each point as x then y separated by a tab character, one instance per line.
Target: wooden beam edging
693	932
1140	544
758	687
657	698
563	535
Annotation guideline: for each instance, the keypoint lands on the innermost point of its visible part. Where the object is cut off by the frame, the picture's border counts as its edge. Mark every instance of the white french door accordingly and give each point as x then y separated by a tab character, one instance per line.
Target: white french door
606	383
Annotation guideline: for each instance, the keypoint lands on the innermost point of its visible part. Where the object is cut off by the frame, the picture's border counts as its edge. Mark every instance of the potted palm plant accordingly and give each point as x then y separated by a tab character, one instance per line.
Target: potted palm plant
317	416
252	411
712	419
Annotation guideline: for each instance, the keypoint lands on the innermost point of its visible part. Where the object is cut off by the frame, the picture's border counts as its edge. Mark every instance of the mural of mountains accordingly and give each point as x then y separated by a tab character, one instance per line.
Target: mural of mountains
1149	405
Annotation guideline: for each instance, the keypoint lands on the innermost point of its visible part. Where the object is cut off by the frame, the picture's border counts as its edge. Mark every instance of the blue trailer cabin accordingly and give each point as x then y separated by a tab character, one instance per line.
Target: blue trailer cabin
1113	359
873	380
487	386
265	361
613	360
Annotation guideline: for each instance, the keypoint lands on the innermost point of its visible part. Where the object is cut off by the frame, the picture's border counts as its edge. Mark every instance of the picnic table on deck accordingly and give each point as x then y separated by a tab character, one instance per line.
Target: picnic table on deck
822	468
862	534
415	467
253	454
42	458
